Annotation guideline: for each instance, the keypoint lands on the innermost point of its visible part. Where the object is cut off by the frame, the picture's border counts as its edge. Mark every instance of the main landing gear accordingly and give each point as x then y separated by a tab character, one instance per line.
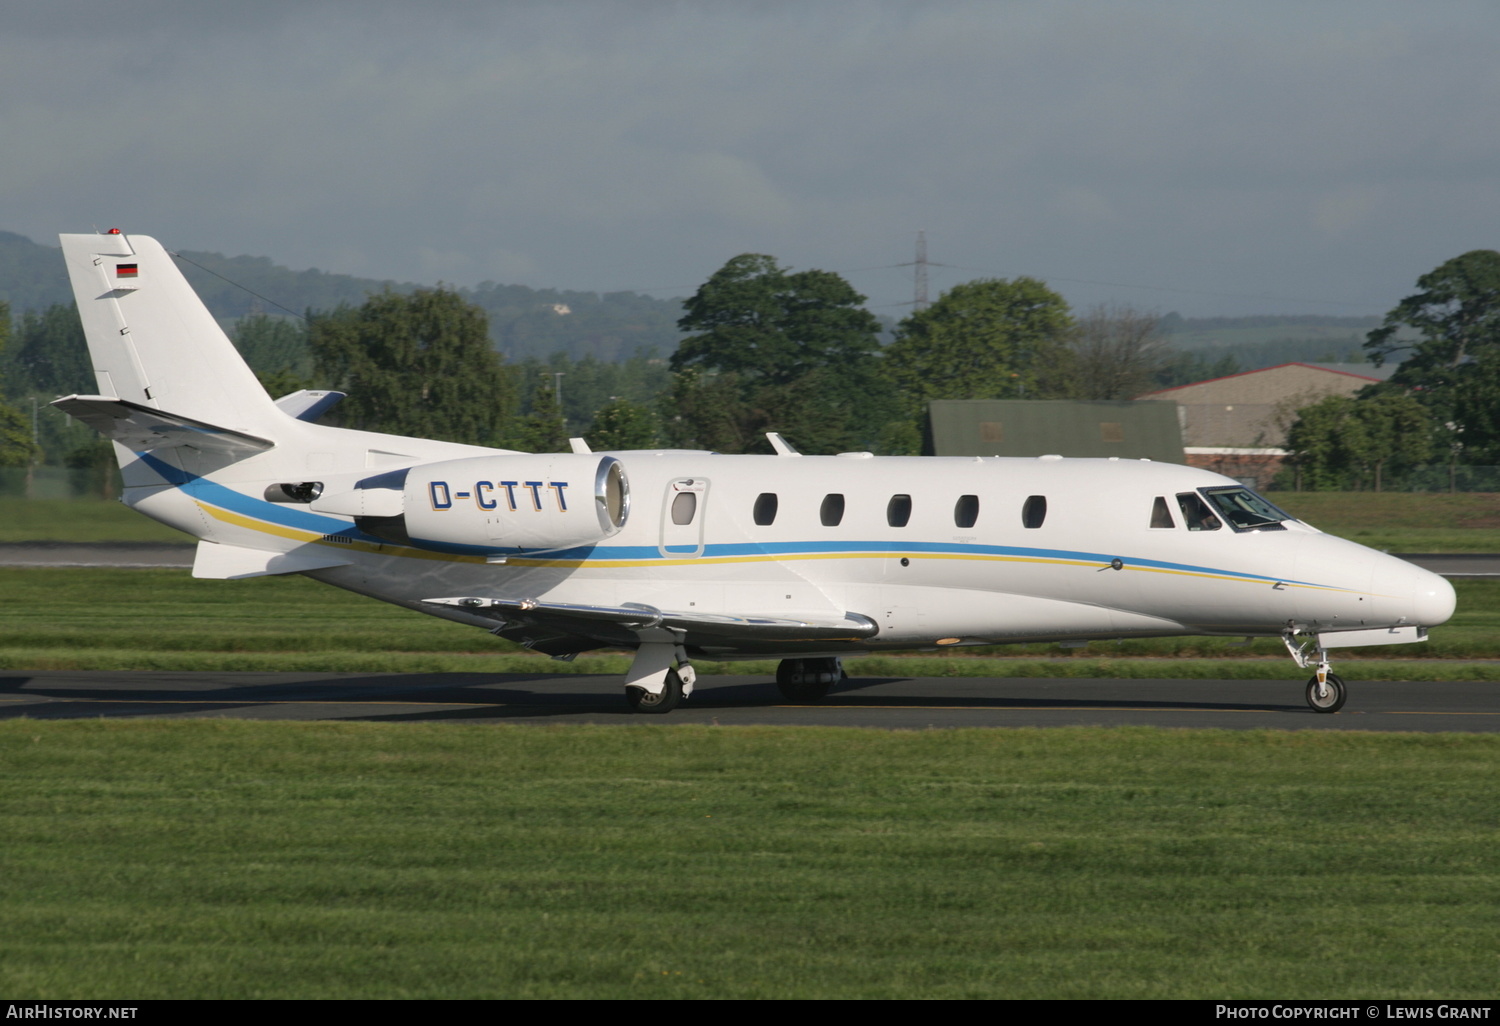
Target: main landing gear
1326	692
653	684
808	680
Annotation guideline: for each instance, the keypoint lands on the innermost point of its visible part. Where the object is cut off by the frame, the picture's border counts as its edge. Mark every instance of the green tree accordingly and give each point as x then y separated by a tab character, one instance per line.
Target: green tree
707	411
52	357
17	449
986	339
1342	439
765	322
622	424
418	364
1456	316
277	351
777	350
1113	352
541	428
1451	330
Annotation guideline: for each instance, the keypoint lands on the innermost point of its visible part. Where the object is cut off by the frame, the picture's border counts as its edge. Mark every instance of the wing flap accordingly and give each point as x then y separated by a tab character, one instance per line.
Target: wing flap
627	623
140	428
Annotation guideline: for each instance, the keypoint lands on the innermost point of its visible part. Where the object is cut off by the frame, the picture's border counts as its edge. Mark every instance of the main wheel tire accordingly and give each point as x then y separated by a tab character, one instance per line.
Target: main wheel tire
643	701
807	680
1331	702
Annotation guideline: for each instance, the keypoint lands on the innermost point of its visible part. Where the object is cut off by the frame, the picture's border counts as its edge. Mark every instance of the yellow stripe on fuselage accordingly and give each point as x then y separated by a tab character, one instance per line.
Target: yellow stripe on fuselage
314	538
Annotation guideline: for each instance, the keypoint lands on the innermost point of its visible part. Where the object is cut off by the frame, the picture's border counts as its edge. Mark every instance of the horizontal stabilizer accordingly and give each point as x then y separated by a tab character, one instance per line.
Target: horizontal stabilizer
140	428
624	622
232	562
308	404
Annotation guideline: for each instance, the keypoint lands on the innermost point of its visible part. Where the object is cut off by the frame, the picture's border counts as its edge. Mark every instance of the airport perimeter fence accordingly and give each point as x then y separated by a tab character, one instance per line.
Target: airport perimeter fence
59	483
1432	477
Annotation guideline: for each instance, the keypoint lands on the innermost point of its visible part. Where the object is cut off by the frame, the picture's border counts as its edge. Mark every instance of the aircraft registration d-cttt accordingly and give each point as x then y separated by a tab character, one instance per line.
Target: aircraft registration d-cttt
681	554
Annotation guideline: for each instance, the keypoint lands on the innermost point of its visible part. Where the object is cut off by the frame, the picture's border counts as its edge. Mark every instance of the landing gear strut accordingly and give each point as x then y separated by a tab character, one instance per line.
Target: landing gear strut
808	680
1326	692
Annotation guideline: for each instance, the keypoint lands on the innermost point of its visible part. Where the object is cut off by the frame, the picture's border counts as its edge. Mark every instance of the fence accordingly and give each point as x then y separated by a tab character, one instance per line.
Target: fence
59	483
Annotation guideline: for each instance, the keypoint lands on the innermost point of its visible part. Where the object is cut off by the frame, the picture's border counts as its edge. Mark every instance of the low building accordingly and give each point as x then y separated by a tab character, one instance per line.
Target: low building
1036	427
1237	425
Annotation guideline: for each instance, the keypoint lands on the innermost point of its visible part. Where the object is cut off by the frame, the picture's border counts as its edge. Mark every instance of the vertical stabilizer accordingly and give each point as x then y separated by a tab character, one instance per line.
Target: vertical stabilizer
151	339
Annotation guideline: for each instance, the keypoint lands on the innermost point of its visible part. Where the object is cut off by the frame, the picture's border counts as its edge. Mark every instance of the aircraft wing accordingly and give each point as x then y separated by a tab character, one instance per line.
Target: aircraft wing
558	627
140	428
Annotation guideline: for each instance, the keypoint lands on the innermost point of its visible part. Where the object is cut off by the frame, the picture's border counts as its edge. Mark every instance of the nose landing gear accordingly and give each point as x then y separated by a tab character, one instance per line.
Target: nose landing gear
1326	692
1326	695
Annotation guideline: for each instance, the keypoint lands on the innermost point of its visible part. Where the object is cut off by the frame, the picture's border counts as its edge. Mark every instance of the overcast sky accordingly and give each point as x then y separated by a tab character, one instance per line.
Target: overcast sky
1210	158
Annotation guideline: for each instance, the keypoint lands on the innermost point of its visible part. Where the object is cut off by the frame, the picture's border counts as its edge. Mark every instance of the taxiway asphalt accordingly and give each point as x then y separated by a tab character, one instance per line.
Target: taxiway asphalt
912	703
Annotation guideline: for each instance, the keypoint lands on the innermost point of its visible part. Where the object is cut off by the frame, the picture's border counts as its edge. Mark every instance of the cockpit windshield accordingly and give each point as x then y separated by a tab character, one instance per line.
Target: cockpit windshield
1243	510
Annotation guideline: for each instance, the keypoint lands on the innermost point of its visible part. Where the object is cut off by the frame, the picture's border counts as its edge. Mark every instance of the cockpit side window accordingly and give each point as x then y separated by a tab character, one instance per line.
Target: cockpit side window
1196	514
1161	516
1244	510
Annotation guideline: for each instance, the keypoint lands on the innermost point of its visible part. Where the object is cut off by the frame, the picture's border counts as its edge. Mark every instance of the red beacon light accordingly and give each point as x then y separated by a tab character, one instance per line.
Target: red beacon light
113	231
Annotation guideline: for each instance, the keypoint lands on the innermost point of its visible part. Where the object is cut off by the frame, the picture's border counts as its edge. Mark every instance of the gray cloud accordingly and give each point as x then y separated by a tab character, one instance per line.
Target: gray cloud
1245	155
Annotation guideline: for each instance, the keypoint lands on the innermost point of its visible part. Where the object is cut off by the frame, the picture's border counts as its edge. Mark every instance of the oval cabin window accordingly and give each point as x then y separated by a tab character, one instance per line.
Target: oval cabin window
765	508
1034	512
832	510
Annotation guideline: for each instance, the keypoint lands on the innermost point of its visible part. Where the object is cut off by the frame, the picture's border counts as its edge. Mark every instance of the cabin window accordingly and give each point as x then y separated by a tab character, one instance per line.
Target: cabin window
1034	512
684	506
1161	516
765	508
898	510
1196	514
832	510
966	511
1244	510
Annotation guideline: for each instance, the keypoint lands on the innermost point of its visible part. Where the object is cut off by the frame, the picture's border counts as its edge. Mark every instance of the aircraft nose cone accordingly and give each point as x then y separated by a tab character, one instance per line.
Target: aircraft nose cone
1432	598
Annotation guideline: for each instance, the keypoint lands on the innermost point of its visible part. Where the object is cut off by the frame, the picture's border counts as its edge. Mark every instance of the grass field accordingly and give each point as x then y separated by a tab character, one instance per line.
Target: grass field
244	859
119	619
239	859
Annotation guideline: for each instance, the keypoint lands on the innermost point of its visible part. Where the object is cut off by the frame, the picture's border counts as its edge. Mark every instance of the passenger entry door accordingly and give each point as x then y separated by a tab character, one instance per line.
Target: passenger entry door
683	511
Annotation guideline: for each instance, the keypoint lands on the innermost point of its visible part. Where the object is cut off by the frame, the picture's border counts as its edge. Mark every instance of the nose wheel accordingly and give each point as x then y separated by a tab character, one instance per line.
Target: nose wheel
1325	691
1328	695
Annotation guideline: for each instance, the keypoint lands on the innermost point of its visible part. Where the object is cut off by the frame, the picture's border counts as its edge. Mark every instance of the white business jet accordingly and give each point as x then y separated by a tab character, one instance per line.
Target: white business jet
680	554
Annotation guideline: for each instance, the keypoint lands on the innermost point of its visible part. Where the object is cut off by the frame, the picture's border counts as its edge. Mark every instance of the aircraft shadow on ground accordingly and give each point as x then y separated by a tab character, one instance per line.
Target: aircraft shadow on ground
516	696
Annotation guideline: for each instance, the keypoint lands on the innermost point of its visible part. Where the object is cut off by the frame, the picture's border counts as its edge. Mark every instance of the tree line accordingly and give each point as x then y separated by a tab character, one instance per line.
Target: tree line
1442	404
768	347
765	347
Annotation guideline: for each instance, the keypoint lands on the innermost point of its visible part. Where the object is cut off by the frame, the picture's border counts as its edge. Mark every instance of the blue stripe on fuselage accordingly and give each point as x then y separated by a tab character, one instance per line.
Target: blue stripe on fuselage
284	515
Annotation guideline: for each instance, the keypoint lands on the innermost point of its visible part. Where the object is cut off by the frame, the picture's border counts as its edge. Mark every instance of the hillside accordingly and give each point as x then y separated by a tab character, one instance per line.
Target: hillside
1266	341
523	321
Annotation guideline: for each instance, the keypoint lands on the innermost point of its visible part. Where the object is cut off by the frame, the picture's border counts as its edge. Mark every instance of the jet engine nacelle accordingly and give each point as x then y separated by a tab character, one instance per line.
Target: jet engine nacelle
512	503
